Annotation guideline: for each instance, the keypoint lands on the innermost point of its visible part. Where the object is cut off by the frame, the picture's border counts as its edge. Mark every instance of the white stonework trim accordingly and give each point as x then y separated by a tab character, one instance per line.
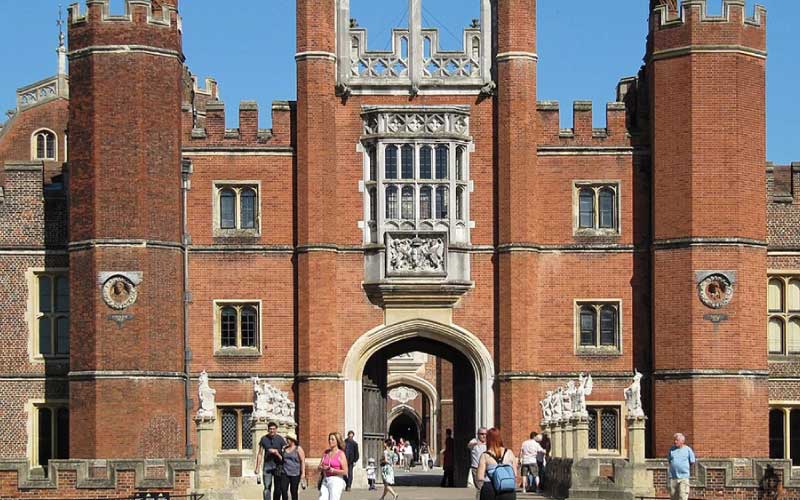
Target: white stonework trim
400	409
708	49
216	312
783	253
32	314
453	336
403	90
315	54
510	56
32	425
124	49
44	251
34	145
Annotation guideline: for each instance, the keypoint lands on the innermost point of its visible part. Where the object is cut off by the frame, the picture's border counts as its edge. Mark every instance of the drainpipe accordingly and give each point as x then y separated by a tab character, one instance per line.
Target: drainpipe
186	172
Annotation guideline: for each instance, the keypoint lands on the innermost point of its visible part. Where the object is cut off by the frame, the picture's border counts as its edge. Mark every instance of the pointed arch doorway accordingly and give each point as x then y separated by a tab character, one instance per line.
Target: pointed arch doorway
365	383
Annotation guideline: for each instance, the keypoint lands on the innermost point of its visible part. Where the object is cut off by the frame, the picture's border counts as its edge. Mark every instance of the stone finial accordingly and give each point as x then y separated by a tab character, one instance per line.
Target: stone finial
633	397
208	405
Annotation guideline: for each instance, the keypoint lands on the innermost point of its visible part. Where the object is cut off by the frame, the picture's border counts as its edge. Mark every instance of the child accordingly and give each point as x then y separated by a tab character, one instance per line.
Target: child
371	473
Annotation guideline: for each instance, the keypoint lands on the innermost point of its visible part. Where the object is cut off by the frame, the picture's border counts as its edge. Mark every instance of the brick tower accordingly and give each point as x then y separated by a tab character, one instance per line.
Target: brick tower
126	257
517	135
707	84
318	386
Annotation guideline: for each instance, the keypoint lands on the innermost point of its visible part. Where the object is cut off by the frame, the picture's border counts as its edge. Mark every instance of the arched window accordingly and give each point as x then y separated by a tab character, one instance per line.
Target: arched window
460	203
606	203
460	163
248	208
249	326
227	209
586	208
793	336
407	208
793	296
228	327
442	200
425	202
407	162
391	202
45	145
390	162
587	326
52	314
442	162
775	336
373	205
373	164
608	326
425	156
775	295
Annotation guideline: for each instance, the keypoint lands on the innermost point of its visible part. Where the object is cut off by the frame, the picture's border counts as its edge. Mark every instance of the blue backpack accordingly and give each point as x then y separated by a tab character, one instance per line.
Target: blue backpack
503	478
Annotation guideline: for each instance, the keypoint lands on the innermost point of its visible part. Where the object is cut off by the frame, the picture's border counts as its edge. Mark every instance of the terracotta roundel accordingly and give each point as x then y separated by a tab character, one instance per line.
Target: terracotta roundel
716	290
119	292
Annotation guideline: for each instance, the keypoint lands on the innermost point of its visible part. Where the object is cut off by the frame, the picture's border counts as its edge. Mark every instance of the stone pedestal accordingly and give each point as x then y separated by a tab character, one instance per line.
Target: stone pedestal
580	440
567	438
210	473
642	482
556	441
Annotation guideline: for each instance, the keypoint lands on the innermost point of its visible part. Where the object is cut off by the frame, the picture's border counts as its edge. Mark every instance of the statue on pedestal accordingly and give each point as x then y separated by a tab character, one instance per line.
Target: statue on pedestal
633	397
567	396
547	412
208	405
584	389
555	405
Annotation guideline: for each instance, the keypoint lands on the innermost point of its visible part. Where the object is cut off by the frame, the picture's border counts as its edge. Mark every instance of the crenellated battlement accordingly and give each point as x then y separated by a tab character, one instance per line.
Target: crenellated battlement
583	133
691	11
136	11
690	29
211	88
247	134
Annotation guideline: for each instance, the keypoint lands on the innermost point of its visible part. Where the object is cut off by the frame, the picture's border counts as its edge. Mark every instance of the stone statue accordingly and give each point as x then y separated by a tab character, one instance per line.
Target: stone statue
208	405
272	404
584	389
633	396
262	407
547	412
567	395
555	405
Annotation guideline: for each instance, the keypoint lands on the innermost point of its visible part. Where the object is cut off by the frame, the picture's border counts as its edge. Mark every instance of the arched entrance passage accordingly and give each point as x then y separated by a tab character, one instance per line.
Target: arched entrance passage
429	418
404	422
365	381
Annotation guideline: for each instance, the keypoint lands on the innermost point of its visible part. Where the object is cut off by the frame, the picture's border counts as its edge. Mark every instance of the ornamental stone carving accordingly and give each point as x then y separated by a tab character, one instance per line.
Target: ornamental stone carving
403	394
208	405
119	292
416	121
272	404
568	401
416	256
715	290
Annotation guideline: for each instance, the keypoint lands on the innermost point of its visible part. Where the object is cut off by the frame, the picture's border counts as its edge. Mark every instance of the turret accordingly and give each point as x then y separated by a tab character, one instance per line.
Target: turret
125	238
707	81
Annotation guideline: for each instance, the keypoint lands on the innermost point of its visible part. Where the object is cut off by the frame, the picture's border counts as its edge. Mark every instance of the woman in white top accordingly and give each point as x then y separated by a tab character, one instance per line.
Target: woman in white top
408	451
495	454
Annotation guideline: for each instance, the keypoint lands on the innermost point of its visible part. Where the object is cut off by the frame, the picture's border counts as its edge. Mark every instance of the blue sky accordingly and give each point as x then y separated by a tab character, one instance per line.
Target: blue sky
248	46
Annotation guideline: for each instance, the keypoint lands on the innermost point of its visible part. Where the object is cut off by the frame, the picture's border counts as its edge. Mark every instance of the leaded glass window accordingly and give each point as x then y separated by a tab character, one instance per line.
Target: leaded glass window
390	162
586	208
783	315
236	428
45	145
604	429
407	164
227	209
238	325
237	207
408	203
425	156
52	321
588	332
391	202
597	326
597	208
442	201
248	208
606	202
52	433
229	425
425	202
229	327
442	161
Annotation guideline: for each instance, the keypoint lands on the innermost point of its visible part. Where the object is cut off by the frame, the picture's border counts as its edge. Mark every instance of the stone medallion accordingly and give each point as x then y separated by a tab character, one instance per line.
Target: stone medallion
119	292
715	290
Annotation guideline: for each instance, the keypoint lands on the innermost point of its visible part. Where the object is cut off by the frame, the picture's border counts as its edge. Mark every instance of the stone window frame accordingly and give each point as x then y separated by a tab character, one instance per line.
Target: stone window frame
786	407
619	408
239	408
784	315
32	278
237	186
32	408
596	186
597	349
218	305
35	144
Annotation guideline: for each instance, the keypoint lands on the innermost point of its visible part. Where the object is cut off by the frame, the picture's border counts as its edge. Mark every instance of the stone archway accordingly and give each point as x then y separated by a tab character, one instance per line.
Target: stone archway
429	392
412	332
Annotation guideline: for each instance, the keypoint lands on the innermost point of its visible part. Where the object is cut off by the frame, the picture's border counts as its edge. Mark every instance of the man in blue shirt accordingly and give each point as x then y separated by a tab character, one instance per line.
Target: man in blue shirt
681	458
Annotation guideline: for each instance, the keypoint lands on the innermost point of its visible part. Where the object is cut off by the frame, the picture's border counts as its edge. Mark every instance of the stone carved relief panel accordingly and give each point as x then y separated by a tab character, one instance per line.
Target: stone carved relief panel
403	394
416	254
417	122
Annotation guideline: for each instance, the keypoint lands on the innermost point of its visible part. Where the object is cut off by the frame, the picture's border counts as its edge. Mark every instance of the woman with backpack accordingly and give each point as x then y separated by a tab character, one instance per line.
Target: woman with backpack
497	467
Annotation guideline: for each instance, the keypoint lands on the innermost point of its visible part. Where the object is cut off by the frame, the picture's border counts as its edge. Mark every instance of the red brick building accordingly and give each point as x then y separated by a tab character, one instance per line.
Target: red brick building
414	200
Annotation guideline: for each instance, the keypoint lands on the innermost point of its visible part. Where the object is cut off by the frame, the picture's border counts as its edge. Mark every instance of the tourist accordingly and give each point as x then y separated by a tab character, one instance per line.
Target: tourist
476	448
387	469
425	456
495	454
529	466
408	451
351	452
541	459
333	469
545	459
269	454
399	451
680	458
447	459
371	476
294	467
